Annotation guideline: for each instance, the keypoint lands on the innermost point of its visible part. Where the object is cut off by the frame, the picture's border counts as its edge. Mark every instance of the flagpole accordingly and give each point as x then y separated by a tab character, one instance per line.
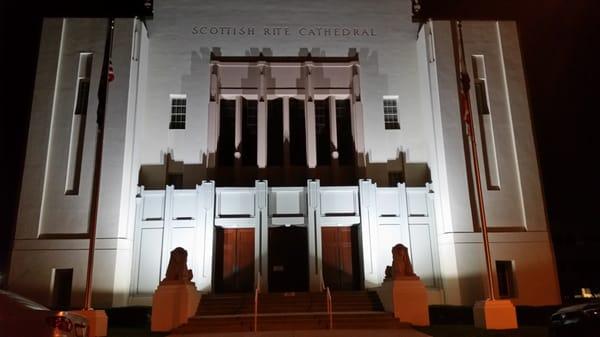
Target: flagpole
100	117
467	117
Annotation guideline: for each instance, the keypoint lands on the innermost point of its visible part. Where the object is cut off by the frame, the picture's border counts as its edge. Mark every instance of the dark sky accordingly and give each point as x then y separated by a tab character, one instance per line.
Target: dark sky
557	40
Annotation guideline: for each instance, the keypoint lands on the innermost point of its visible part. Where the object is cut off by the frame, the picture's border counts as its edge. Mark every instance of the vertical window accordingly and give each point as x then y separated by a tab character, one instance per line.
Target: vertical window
390	112
344	132
297	133
226	144
249	132
506	281
83	92
178	108
322	131
275	132
78	124
481	97
492	172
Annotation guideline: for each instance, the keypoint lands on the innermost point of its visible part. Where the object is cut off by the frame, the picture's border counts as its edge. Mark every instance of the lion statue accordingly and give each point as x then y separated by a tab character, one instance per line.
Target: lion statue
401	266
177	271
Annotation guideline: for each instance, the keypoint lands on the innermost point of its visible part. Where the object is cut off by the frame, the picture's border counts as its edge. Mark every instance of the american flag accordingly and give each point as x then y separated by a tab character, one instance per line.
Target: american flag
464	101
111	72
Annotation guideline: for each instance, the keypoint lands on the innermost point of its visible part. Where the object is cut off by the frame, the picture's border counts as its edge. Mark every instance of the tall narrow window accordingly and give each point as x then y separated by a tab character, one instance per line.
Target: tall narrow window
78	124
344	132
492	172
506	280
481	97
249	132
390	112
297	133
226	144
178	108
275	132
322	131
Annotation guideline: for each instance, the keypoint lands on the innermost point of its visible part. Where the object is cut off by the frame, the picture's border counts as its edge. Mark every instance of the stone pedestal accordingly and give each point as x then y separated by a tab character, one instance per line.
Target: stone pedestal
97	322
173	304
408	300
495	315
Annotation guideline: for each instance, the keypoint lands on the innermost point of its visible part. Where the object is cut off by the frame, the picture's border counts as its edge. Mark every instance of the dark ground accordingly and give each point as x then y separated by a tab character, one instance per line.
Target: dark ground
447	321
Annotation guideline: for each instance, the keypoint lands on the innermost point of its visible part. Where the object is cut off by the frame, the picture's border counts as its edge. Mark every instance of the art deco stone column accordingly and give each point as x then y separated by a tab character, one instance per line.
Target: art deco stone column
238	127
286	119
261	234
369	231
315	254
333	127
357	117
205	213
286	138
261	119
309	109
213	115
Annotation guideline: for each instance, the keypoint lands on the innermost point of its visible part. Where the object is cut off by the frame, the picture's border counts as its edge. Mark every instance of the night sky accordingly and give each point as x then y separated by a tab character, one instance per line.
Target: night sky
557	38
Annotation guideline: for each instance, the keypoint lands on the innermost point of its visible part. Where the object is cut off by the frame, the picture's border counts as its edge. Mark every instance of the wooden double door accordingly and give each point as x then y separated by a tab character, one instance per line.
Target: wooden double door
288	259
234	260
341	266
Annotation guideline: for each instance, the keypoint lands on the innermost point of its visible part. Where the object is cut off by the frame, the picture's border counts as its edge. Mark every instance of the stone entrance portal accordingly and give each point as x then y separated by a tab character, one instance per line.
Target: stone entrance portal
238	238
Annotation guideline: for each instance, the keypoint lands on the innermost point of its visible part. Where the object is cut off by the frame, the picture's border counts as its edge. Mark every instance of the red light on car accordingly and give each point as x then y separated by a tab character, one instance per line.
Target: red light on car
60	323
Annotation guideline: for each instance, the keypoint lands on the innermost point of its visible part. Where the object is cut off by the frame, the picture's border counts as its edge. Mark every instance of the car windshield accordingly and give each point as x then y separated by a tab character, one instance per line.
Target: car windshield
7	298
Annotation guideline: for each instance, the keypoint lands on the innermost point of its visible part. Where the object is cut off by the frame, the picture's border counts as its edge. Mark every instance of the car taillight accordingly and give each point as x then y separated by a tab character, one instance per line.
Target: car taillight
60	323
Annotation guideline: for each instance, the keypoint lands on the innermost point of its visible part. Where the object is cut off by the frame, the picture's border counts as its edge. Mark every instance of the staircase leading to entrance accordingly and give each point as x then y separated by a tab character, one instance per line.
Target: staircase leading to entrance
289	311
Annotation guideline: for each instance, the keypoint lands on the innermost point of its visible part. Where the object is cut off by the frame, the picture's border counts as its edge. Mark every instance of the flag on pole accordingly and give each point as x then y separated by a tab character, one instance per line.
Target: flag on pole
464	82
111	72
106	76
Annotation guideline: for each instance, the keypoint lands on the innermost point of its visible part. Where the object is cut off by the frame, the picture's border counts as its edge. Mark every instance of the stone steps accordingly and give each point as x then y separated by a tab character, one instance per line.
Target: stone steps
310	321
289	311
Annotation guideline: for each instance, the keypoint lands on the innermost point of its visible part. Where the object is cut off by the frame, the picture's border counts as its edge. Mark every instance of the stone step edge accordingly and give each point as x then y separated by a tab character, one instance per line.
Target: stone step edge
315	313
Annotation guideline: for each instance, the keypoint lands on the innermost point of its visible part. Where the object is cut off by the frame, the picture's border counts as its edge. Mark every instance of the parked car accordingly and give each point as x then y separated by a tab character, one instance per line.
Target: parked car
581	320
21	317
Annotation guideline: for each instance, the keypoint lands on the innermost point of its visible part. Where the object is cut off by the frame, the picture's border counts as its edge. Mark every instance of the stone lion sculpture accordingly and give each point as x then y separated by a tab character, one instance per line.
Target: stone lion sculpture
401	266
177	271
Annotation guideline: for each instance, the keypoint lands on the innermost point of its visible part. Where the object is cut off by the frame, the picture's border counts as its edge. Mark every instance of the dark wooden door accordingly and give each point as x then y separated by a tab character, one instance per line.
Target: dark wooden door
340	258
234	269
288	259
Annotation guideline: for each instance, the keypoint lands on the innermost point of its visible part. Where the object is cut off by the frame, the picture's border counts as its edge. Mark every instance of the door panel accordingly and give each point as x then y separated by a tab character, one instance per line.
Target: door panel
234	260
229	256
330	257
340	258
345	249
245	259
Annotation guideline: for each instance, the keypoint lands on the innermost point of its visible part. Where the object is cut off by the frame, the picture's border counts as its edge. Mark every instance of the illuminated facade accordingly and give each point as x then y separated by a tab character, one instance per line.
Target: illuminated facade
298	142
